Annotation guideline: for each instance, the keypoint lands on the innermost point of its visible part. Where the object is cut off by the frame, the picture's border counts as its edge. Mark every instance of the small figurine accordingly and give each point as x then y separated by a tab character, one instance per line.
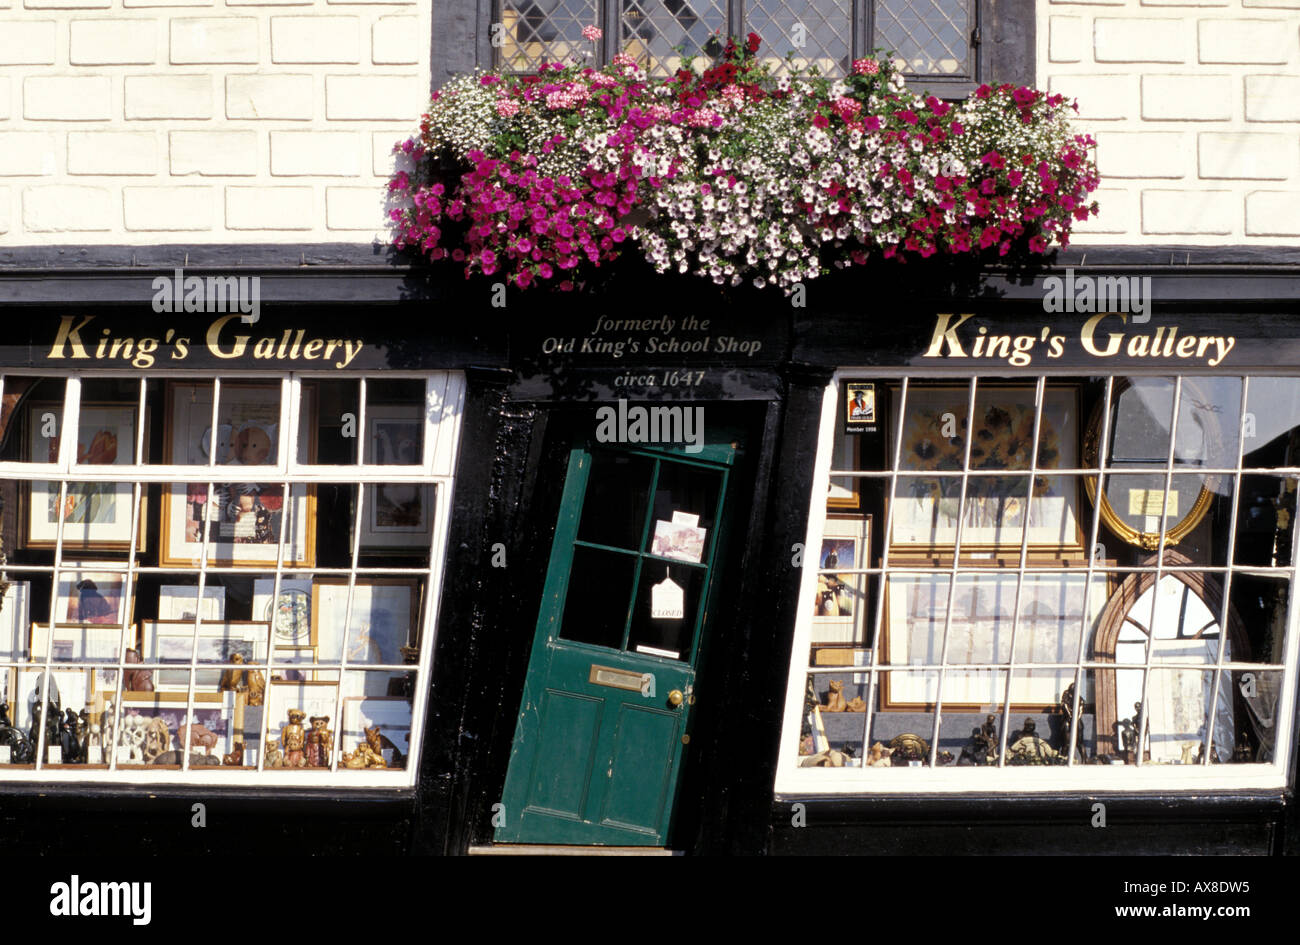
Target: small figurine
1067	720
52	715
835	700
1029	749
68	741
20	749
878	756
1188	748
136	680
274	759
856	704
236	757
908	748
320	742
1243	753
196	734
379	744
946	758
157	736
367	755
805	745
293	740
983	746
132	738
250	681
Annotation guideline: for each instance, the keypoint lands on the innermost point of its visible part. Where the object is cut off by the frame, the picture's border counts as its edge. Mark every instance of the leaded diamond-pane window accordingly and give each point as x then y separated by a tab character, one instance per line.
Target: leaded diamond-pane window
931	37
812	33
934	39
657	32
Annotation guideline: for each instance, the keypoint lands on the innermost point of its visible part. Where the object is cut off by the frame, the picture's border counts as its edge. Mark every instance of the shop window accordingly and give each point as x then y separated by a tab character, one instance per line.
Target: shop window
1087	580
934	39
226	581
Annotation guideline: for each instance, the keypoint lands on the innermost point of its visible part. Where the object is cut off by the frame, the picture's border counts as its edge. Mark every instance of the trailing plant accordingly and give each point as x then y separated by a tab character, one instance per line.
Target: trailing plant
732	172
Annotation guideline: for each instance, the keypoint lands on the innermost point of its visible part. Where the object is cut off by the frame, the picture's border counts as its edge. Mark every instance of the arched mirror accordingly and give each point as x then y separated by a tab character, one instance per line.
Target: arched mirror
1178	618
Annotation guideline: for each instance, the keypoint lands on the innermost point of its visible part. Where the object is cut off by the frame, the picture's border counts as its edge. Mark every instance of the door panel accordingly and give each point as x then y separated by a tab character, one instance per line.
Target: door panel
606	704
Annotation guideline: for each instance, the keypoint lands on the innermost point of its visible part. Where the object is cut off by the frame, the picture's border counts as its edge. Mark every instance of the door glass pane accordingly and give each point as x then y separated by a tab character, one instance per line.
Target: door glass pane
613	512
685	506
666	636
930	36
600	584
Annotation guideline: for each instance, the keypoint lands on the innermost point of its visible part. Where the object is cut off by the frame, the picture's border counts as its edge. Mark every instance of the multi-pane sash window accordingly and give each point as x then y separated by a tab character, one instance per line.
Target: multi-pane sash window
930	38
1047	582
227	581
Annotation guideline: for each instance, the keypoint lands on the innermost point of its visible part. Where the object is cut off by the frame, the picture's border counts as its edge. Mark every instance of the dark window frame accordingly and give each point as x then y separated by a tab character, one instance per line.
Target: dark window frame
1003	41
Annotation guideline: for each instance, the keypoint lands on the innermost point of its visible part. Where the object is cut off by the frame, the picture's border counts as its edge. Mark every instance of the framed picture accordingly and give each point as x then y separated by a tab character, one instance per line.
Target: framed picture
859	405
398	516
243	519
289	614
385	613
180	602
845	493
1178	701
80	643
839	605
172	641
92	597
15	620
391	713
926	508
150	721
293	663
96	515
1052	615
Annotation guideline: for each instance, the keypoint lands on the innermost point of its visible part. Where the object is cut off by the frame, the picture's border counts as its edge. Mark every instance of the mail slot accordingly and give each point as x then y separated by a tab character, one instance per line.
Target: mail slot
614	678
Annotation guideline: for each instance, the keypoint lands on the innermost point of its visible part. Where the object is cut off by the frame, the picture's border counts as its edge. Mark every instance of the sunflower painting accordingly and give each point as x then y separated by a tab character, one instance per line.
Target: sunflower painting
936	436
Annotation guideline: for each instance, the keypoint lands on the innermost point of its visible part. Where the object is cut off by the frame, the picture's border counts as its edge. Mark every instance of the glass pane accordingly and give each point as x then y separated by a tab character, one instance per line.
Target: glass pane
395	422
1256	723
914	607
300	717
329	437
931	37
613	509
398	519
668	635
652	30
817	33
108	422
901	738
684	511
248	423
1260	603
831	736
538	31
1272	428
374	730
1177	710
1265	521
31	419
600	590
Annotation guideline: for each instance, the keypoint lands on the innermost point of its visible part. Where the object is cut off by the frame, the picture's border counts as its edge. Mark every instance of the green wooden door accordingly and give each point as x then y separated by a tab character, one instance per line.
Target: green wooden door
606	707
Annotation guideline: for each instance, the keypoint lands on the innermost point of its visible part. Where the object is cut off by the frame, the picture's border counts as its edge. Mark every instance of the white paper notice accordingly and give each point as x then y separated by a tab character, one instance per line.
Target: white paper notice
4	755
685	518
667	601
124	754
54	755
94	755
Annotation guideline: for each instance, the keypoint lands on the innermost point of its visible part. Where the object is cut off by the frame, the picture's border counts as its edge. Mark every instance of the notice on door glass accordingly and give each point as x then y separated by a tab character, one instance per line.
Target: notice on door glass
683	539
667	601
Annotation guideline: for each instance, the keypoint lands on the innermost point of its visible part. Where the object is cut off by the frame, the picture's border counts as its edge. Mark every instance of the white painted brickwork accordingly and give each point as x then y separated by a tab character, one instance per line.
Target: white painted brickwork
206	121
1196	108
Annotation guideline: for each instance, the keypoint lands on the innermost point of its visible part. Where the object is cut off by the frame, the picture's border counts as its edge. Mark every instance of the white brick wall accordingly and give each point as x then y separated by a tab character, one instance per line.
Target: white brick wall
184	121
1196	108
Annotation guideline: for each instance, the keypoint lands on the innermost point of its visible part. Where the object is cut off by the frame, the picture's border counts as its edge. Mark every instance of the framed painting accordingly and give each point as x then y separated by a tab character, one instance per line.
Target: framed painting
398	517
77	643
293	663
180	602
844	492
172	641
15	620
289	614
997	508
840	603
92	597
96	515
150	721
385	614
246	515
1055	608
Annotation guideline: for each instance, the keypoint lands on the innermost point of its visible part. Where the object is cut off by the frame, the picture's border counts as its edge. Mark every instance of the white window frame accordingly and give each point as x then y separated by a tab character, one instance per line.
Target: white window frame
791	780
444	403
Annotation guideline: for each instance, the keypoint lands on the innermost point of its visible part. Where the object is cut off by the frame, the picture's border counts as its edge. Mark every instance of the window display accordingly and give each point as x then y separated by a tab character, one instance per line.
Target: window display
189	619
1092	598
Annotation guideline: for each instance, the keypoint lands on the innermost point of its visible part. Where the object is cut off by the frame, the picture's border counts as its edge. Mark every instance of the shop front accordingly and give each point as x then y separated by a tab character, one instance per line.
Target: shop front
953	568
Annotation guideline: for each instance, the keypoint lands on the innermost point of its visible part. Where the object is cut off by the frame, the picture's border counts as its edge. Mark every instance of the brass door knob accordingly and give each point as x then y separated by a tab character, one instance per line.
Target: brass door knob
675	697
